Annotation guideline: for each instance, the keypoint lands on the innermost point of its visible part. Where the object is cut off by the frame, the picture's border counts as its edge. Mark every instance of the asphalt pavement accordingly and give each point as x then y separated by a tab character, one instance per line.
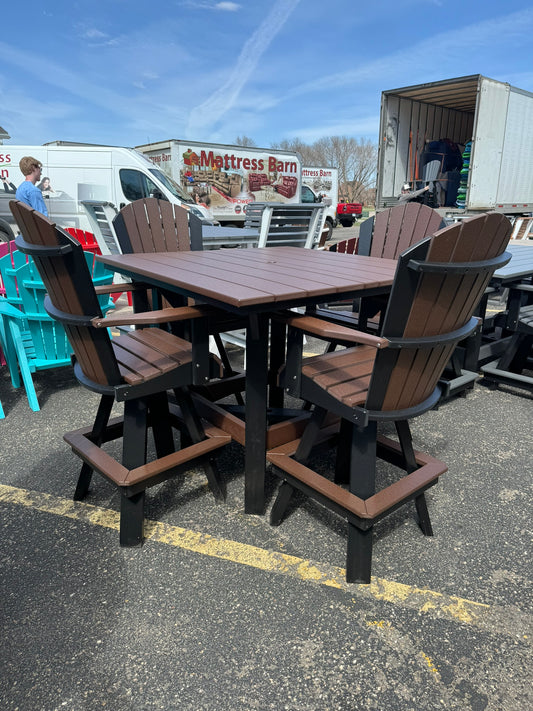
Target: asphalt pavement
218	610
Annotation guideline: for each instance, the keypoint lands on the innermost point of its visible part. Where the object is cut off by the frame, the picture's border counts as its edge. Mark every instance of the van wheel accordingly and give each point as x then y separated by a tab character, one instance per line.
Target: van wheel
6	234
330	230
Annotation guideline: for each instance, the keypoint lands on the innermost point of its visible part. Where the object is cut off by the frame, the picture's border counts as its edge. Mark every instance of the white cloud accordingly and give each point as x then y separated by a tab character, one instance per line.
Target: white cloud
199	5
93	33
229	6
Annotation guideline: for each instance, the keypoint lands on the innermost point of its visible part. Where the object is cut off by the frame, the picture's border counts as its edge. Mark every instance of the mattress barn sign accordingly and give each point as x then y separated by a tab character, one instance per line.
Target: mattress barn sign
227	178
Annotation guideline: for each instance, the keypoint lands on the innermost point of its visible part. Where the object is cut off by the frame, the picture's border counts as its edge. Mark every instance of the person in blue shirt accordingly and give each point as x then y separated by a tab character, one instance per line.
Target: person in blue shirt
27	191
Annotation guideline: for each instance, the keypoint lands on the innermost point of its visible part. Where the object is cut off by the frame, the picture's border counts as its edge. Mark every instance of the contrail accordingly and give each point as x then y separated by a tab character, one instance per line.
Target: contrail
226	95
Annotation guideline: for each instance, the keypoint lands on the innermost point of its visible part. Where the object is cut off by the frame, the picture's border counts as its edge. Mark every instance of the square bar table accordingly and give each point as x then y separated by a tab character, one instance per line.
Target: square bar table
487	344
256	283
519	268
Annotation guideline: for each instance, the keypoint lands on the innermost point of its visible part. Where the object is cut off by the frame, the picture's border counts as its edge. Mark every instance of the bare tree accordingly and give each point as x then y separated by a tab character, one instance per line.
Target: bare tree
307	153
245	141
356	160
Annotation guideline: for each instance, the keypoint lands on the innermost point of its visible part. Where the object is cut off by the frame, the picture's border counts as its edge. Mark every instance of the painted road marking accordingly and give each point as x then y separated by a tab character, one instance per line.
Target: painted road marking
423	600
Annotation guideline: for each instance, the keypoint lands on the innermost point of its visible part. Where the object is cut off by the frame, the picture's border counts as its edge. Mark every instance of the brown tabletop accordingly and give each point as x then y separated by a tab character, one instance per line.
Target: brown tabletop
520	266
255	282
259	279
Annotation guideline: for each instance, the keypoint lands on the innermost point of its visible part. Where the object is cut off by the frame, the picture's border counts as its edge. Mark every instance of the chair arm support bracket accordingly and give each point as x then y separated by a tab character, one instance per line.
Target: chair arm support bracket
330	331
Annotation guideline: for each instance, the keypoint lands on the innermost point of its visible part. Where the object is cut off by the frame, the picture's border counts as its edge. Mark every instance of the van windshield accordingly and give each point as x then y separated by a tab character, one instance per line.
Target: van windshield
172	186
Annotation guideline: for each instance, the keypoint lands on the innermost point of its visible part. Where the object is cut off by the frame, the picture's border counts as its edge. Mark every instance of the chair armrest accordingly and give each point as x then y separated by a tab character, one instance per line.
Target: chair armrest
114	288
331	332
147	318
7	309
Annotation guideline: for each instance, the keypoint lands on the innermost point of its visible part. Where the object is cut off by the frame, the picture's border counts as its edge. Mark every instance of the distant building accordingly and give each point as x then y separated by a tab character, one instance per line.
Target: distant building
4	135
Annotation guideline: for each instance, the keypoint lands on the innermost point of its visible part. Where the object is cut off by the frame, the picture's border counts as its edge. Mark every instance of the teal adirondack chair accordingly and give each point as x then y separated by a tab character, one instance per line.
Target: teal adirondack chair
22	357
8	264
30	338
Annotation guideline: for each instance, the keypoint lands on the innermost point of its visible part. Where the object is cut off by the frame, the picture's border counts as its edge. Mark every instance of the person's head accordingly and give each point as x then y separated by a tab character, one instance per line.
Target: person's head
44	184
31	168
406	188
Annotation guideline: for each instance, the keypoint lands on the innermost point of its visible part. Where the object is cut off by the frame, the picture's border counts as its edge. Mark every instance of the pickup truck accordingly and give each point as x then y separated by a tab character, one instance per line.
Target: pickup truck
348	212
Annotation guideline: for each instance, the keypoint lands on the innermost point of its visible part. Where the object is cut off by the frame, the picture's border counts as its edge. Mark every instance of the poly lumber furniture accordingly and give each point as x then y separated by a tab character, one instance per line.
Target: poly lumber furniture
515	323
32	340
509	369
254	283
280	225
150	225
390	232
292	225
386	234
135	369
392	377
87	239
513	280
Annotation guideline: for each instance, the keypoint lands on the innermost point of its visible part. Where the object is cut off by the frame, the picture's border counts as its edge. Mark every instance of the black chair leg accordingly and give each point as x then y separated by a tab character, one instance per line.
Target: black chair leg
133	455
228	370
196	432
100	423
406	443
359	555
283	498
423	515
310	434
342	461
132	519
363	485
84	481
302	453
516	355
161	427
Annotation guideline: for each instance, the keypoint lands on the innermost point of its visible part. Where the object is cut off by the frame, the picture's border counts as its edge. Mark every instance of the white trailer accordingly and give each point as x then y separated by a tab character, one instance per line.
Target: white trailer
81	173
227	178
470	139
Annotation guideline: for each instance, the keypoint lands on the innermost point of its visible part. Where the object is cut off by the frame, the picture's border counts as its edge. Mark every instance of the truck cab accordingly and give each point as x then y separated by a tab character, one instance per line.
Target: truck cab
348	212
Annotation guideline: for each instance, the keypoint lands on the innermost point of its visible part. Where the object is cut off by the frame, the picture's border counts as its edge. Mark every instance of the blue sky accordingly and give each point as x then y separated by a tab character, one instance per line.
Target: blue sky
124	72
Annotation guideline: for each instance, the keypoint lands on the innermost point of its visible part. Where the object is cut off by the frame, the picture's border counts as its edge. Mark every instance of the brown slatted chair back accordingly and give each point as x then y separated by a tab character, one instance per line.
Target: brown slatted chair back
63	268
152	225
429	304
390	232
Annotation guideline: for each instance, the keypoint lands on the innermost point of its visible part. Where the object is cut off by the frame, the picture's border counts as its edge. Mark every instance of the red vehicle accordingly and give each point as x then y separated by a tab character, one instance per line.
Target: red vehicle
348	212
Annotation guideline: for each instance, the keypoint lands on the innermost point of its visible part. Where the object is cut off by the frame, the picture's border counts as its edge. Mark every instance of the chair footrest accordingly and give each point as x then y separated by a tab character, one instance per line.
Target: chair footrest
491	373
152	472
277	433
362	512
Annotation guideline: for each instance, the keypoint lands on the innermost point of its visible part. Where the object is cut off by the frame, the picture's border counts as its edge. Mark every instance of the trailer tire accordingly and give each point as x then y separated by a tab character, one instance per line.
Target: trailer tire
6	233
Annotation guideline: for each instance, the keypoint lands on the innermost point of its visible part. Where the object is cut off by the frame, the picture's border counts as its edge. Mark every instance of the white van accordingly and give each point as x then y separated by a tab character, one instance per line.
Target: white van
82	172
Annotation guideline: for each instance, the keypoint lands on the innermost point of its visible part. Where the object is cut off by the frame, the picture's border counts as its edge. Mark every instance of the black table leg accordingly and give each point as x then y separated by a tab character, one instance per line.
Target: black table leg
256	413
278	336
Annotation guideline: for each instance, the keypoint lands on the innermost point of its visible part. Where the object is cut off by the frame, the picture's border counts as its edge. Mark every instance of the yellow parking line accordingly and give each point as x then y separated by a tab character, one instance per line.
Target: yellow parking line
422	600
